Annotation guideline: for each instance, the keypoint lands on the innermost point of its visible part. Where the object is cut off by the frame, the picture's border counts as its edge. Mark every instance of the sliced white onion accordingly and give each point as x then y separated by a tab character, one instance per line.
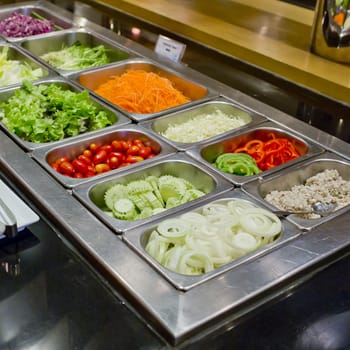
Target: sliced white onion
194	218
172	257
156	247
198	242
215	209
219	220
245	242
261	222
196	262
239	206
173	228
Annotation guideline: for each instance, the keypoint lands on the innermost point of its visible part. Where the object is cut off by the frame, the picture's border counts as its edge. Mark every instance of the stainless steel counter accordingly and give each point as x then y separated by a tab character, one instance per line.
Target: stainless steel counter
175	314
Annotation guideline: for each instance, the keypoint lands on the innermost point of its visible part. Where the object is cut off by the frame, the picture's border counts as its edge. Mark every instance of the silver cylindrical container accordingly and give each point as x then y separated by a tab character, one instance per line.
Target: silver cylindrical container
331	30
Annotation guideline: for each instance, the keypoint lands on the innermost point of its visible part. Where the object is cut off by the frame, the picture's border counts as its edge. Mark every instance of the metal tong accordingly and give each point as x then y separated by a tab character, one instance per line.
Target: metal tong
8	221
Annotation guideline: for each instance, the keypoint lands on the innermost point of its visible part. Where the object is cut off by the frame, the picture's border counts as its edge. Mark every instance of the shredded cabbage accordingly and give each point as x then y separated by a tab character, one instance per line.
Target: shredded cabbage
15	71
200	241
19	25
202	127
77	56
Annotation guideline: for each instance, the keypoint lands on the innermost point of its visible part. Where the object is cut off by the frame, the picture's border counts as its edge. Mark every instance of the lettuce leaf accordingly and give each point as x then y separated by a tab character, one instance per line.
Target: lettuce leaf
47	112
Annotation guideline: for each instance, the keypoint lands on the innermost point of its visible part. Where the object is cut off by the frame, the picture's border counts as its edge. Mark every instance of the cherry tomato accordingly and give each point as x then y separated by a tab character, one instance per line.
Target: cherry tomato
55	166
91	169
78	175
145	152
125	145
90	173
102	168
124	165
85	159
66	168
138	143
133	150
107	148
113	162
87	153
93	147
133	159
119	155
61	160
116	145
79	166
100	156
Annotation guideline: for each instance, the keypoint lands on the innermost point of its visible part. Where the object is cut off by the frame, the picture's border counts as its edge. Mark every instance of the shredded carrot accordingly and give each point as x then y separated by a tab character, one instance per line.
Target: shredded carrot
141	92
339	18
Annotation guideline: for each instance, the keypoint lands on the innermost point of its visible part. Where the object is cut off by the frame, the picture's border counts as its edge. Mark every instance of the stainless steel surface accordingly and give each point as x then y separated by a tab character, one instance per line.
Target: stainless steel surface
179	315
319	208
72	148
115	117
178	165
55	41
209	151
297	175
195	91
60	17
161	124
16	54
329	39
138	238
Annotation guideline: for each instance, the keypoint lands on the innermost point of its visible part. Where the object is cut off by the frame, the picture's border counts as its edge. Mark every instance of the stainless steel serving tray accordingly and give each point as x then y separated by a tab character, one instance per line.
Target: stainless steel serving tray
92	78
138	237
209	151
55	41
297	175
72	148
92	194
222	300
16	54
63	19
117	118
161	124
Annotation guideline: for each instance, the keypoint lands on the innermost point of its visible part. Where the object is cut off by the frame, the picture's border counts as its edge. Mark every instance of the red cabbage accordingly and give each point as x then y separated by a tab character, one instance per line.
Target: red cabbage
19	25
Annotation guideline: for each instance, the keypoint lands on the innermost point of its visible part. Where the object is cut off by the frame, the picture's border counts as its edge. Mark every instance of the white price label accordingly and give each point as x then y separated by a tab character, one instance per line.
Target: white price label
170	48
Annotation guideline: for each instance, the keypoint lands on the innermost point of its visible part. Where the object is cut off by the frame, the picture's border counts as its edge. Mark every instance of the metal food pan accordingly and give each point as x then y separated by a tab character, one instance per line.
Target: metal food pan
297	175
117	119
56	41
160	125
15	54
208	152
61	18
72	148
92	194
138	238
93	78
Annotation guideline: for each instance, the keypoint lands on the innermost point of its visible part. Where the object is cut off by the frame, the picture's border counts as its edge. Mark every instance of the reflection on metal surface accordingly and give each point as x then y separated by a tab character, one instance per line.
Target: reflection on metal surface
23	308
10	252
11	265
327	333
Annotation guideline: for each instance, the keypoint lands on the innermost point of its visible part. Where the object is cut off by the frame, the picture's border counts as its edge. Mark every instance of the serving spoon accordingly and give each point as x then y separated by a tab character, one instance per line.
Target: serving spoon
320	208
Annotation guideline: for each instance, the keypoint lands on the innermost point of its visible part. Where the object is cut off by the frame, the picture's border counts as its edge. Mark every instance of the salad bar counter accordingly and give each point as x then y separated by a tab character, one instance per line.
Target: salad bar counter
168	182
